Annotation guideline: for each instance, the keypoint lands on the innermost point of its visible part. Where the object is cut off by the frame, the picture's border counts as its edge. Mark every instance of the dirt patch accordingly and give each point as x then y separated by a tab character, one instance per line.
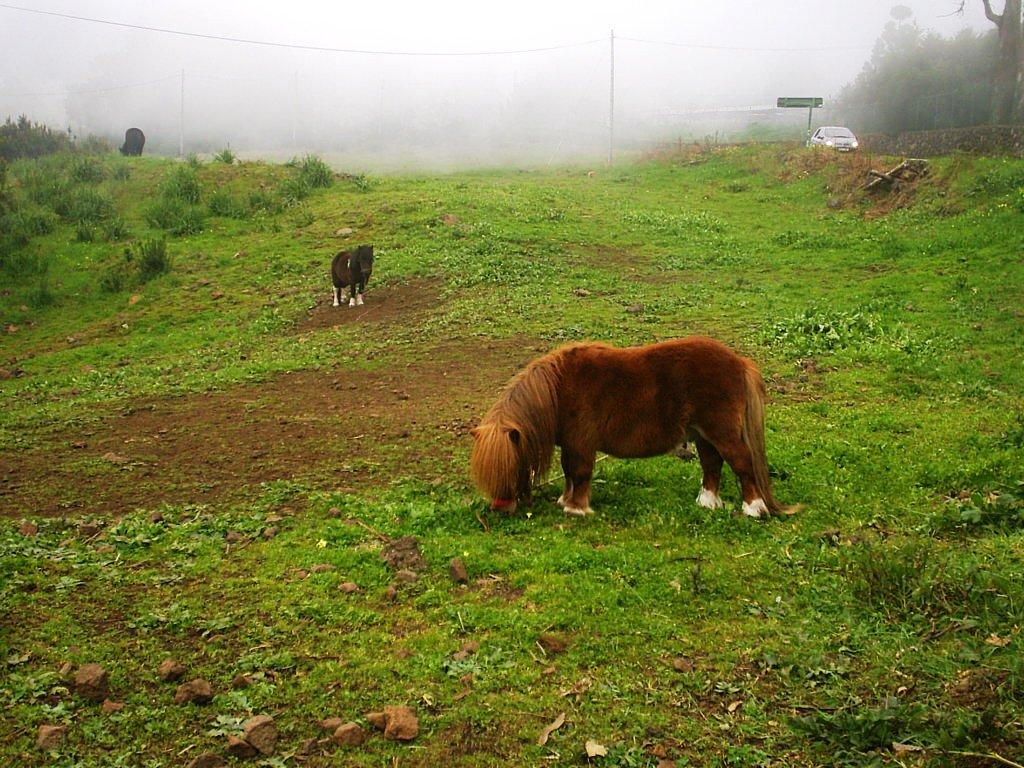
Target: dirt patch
337	428
386	303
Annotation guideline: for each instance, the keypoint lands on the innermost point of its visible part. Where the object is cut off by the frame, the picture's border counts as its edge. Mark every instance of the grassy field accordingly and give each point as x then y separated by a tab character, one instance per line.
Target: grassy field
197	452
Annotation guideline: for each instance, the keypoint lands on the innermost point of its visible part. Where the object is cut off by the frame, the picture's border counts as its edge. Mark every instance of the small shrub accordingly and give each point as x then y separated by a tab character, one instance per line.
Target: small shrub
87	170
361	181
181	183
23	138
222	203
294	190
84	233
116	229
85	205
176	216
315	172
29	221
41	296
21	264
261	201
193	160
152	259
118	275
225	156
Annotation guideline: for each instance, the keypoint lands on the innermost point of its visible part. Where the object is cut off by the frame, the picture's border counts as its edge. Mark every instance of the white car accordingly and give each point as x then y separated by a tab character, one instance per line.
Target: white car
834	137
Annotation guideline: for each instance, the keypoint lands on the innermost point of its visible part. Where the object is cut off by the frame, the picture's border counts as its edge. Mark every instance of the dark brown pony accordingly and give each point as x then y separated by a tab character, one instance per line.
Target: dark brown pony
352	269
631	403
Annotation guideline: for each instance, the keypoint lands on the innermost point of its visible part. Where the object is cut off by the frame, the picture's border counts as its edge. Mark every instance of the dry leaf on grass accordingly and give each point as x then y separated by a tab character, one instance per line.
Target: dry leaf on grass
546	733
594	749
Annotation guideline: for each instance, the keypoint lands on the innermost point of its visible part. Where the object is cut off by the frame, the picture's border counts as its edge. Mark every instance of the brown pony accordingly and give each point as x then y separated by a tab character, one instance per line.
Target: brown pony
631	403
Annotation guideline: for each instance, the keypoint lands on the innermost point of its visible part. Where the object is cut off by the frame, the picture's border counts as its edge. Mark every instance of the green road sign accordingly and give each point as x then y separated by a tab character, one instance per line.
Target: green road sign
800	101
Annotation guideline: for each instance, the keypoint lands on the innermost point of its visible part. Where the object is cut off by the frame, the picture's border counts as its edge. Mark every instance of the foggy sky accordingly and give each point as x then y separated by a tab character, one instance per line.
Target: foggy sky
380	111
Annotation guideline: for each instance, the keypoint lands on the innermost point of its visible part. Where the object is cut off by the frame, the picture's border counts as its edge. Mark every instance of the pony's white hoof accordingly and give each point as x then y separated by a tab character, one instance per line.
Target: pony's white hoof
578	511
359	300
709	499
351	302
756	508
336	303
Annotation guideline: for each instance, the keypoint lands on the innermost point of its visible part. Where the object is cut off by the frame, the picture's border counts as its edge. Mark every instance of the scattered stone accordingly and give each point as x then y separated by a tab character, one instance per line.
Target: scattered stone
682	665
261	732
271	532
92	682
666	764
240	748
115	458
349	734
104	549
378	720
322	568
156	517
457	571
198	691
272	518
552	643
331	723
110	707
403	554
334	512
400	724
217	295
635	309
241	680
470	647
407	576
88	529
233	537
207	760
391	593
51	736
348	587
171	670
28	529
581	292
343	232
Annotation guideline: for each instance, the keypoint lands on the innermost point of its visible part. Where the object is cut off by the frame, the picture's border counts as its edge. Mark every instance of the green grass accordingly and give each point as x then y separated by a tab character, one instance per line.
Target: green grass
888	610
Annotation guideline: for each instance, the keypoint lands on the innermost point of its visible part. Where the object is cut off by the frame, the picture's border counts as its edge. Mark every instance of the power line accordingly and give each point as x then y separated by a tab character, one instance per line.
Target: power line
98	90
703	47
296	46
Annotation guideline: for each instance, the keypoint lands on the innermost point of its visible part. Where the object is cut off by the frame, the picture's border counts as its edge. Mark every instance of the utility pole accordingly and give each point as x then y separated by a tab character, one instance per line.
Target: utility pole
611	99
181	118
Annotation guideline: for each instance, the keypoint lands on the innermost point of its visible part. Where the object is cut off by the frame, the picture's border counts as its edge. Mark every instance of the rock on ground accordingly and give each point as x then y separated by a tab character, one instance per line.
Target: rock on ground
92	682
171	670
331	723
457	571
207	760
400	724
403	554
112	706
349	734
241	680
51	736
377	719
261	732
240	747
196	691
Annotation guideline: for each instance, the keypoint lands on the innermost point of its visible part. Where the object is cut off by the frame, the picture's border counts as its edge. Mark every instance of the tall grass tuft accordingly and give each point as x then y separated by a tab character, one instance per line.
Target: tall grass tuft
315	172
152	259
225	156
181	183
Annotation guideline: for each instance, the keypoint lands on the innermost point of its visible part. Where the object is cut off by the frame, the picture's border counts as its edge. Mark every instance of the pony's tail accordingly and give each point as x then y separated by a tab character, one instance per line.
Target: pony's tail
753	437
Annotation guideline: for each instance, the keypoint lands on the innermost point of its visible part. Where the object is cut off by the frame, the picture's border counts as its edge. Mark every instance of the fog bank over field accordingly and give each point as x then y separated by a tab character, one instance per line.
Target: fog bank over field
376	111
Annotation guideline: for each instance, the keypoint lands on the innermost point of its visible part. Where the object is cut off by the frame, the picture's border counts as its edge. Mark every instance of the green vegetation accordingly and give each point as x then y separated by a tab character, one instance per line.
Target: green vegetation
176	387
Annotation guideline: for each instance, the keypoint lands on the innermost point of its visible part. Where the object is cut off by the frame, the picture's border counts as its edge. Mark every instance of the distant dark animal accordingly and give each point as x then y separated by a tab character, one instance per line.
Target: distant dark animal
631	403
134	141
352	269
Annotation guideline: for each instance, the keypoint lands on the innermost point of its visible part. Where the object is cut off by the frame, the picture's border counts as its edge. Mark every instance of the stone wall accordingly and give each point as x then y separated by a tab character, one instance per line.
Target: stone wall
980	140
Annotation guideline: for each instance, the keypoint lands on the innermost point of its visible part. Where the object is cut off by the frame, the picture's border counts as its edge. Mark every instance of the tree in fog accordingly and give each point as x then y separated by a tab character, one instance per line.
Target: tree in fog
1007	88
917	80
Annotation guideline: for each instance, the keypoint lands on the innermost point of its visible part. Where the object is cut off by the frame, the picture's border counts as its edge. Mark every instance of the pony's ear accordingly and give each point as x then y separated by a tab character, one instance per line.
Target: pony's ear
514	436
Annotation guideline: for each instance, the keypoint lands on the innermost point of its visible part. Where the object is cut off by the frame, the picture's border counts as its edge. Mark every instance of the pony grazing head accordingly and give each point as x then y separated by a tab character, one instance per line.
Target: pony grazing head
498	464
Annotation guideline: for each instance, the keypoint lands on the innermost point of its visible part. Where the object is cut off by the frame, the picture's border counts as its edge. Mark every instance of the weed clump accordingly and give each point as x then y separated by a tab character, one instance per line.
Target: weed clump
152	258
315	172
222	203
181	183
87	170
225	156
136	265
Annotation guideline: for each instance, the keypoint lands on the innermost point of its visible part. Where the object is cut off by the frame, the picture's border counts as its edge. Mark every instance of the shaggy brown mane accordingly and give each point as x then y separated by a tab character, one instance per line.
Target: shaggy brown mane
528	406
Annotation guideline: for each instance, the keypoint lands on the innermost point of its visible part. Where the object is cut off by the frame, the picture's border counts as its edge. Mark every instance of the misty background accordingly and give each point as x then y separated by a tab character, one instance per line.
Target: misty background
376	111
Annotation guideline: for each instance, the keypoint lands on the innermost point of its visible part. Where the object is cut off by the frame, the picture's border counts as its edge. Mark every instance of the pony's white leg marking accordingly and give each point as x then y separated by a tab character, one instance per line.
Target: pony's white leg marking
336	302
563	500
578	511
359	299
756	508
710	499
351	302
